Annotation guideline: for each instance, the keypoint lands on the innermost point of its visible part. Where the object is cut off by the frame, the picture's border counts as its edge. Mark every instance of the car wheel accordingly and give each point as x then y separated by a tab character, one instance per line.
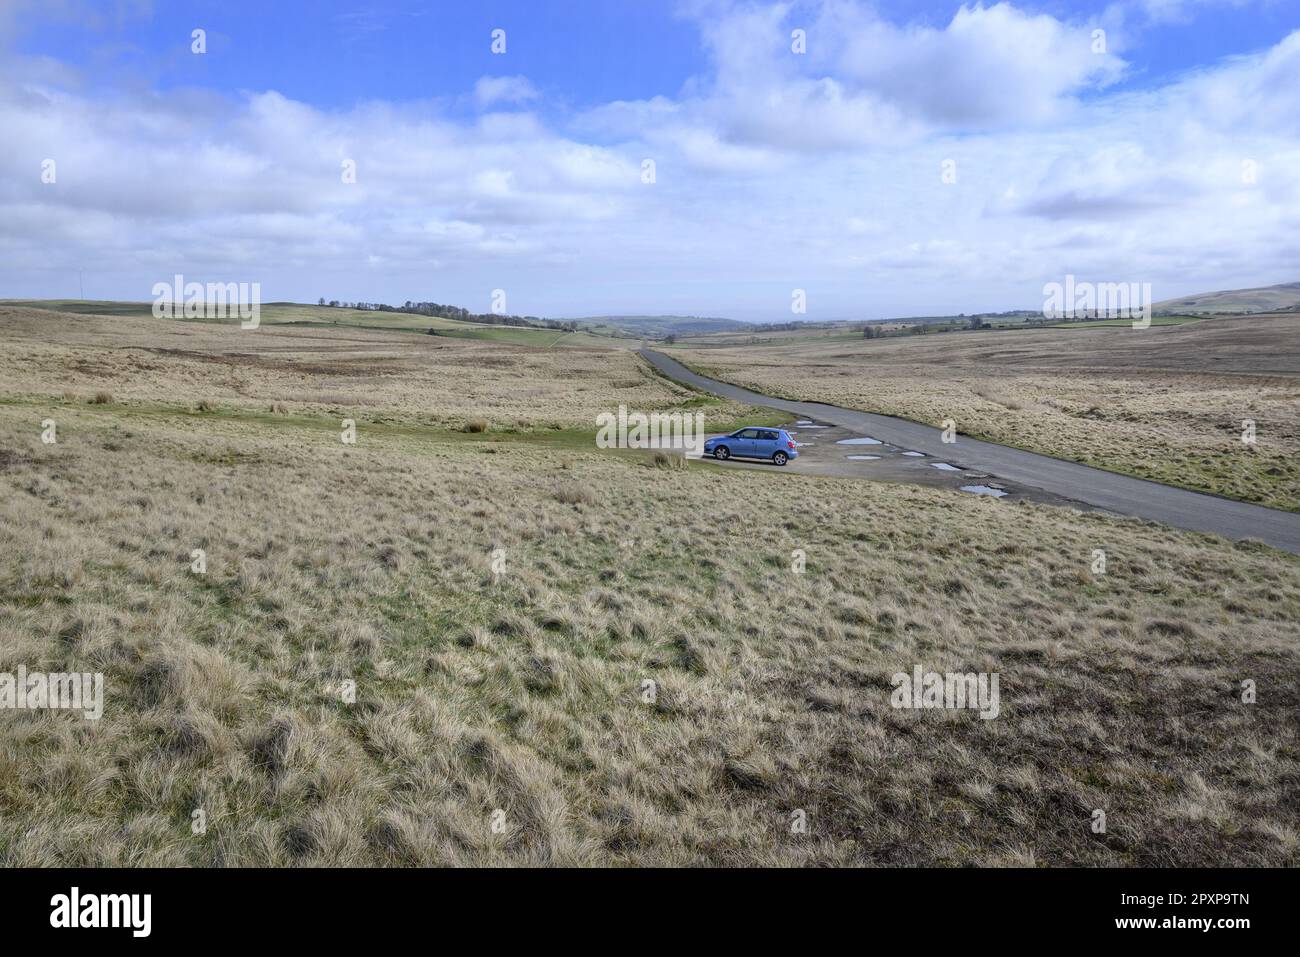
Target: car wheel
722	452
780	458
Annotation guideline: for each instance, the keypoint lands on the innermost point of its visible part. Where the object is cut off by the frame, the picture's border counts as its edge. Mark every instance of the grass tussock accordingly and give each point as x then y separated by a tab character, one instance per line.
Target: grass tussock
573	493
366	684
475	426
674	461
405	652
102	398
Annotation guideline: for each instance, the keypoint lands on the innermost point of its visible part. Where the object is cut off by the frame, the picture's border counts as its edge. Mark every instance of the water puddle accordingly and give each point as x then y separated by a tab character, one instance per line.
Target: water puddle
983	490
862	441
862	458
916	455
804	422
944	467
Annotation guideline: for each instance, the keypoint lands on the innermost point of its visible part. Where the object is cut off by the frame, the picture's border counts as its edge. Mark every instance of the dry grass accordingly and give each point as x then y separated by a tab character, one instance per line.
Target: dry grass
361	374
523	688
616	655
1165	403
668	460
571	493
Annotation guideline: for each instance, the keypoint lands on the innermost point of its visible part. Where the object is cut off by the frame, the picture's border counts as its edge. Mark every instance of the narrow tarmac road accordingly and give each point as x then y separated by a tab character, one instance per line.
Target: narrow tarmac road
1122	494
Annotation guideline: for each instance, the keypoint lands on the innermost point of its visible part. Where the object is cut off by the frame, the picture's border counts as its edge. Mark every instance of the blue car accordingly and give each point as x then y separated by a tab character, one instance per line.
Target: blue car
775	445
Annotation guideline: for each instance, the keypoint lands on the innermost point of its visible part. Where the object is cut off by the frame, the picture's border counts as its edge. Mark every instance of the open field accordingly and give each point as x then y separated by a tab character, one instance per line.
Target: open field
289	313
358	373
765	337
523	690
1166	403
850	332
1284	296
1126	323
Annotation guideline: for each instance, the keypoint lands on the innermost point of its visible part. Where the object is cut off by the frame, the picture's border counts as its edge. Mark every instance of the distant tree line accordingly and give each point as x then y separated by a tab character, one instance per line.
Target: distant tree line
792	326
440	311
924	326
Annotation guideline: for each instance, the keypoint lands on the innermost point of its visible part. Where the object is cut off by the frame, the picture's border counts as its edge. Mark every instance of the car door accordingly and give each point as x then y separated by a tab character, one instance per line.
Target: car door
766	444
746	439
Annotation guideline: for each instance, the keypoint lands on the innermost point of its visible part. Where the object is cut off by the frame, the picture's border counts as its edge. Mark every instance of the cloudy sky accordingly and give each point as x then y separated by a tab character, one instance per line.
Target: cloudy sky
914	158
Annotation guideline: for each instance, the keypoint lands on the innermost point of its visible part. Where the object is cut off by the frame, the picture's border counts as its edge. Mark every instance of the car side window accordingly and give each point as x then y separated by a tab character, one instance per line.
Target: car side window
749	434
767	435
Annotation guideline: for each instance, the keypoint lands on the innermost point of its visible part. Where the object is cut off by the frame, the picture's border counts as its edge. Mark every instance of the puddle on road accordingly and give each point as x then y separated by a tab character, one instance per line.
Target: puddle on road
915	455
983	490
863	441
862	458
814	426
804	422
944	467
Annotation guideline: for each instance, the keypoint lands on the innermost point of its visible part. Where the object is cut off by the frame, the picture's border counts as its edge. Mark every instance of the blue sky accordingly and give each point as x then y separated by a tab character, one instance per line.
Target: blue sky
773	171
583	51
586	52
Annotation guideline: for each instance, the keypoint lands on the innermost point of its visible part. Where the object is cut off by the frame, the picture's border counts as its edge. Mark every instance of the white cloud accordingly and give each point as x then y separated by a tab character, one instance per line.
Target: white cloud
989	65
1179	11
773	171
490	90
865	81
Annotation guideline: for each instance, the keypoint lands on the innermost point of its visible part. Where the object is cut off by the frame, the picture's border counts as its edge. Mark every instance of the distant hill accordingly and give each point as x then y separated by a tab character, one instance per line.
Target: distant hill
656	327
305	314
1015	316
1283	297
